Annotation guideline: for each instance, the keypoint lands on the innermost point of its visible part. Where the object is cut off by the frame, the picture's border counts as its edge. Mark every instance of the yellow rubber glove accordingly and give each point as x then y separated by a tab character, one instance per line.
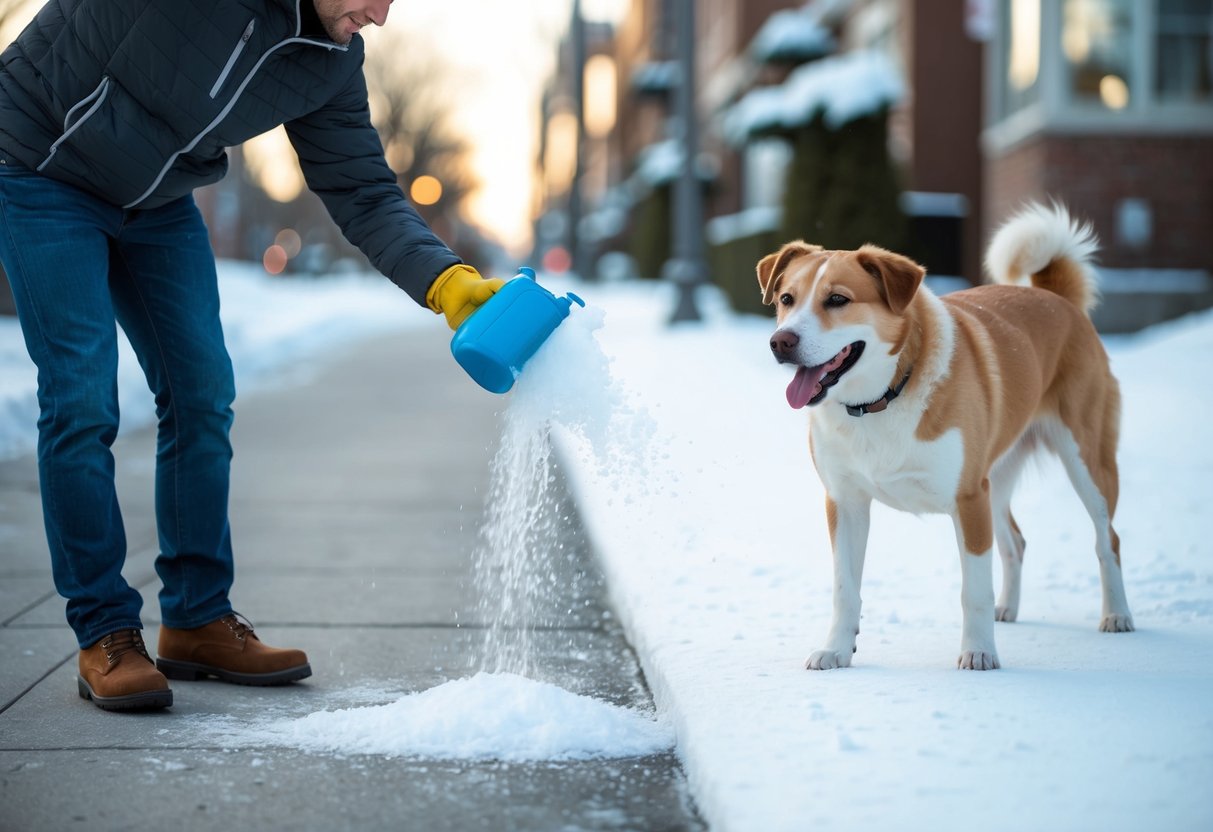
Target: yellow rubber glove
459	291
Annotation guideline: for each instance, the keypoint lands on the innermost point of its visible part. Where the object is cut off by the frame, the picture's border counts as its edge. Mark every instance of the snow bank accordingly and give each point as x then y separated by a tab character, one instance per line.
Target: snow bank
722	575
842	88
791	35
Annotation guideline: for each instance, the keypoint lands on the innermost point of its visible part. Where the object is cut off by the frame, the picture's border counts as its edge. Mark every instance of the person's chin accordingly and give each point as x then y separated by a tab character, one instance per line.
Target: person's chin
341	36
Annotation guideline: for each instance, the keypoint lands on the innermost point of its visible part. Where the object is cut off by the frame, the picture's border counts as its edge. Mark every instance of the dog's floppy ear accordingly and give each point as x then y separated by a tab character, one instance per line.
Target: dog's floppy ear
899	276
771	267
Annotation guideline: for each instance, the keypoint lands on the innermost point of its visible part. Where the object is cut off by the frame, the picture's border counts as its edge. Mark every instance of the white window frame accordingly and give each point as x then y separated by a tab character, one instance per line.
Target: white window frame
1056	111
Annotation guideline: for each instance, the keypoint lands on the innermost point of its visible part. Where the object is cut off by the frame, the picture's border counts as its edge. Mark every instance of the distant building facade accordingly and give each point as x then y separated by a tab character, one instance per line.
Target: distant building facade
1104	105
1108	105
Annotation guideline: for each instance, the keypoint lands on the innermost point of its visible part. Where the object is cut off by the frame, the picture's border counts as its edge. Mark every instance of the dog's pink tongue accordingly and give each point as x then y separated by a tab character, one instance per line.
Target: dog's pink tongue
805	385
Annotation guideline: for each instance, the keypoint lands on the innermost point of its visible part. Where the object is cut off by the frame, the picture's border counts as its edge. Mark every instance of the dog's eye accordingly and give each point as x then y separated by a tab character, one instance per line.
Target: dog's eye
834	301
786	299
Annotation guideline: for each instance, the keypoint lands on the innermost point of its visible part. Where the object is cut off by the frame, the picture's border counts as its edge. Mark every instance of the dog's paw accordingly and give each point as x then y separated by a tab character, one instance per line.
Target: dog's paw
978	660
1116	624
1005	613
827	660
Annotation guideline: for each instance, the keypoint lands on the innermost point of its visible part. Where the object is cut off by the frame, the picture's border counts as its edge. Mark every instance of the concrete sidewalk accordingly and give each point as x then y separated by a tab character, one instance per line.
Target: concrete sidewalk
355	507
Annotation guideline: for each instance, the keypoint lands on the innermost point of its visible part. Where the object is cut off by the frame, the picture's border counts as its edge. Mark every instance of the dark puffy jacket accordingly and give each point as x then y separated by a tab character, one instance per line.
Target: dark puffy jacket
136	101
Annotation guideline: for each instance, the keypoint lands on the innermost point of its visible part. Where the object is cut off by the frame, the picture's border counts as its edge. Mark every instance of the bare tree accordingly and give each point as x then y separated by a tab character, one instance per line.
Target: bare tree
410	90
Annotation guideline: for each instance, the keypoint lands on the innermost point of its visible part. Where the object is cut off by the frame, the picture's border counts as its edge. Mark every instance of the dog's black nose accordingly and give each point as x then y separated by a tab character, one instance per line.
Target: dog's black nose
783	342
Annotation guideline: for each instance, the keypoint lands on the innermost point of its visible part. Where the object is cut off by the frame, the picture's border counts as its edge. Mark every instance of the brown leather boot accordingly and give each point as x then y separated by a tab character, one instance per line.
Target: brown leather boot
118	674
228	650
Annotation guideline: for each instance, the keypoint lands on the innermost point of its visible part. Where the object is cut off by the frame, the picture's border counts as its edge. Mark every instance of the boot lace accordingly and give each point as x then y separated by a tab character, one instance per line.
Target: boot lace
240	626
116	645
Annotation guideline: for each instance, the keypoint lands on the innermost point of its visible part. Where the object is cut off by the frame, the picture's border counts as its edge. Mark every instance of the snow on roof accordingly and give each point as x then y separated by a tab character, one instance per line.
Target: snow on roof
760	111
843	88
725	229
791	35
660	162
828	12
655	77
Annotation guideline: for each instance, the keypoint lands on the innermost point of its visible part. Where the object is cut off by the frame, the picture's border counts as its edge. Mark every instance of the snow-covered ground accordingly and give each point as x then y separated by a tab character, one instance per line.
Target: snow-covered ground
722	575
697	488
268	324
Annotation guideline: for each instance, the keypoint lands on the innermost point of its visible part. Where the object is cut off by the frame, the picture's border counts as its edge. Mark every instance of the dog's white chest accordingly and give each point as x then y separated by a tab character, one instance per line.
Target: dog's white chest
890	466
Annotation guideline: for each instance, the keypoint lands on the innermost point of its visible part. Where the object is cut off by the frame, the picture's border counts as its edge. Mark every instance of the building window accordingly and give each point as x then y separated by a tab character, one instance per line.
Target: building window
1097	40
1021	50
1184	69
765	165
1115	65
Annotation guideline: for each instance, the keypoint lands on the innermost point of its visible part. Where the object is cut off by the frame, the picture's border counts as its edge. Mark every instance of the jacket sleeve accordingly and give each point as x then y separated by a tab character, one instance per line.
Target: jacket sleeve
342	160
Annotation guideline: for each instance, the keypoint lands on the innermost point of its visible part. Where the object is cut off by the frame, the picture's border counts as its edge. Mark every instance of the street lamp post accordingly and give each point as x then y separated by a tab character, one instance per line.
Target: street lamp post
578	48
687	267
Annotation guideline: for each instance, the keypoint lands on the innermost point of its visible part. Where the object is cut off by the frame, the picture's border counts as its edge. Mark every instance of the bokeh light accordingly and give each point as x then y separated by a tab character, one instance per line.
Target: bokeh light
1114	92
290	241
426	190
600	95
556	260
271	162
274	259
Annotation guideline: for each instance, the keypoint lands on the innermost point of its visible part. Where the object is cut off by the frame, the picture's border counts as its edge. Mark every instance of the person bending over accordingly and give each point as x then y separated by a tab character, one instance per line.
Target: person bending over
111	113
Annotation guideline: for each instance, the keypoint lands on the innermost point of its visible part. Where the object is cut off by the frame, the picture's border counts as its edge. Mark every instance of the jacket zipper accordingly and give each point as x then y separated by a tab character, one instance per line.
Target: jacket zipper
97	97
227	108
231	61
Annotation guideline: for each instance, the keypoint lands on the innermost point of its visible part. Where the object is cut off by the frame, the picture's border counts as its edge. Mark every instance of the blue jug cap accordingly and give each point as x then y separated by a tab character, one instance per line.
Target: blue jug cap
579	301
526	271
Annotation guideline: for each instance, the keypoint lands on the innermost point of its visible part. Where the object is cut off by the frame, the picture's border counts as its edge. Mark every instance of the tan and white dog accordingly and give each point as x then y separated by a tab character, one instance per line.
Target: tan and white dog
933	405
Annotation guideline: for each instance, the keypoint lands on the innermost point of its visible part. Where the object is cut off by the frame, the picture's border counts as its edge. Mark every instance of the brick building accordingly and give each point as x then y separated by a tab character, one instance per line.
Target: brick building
1105	105
1108	105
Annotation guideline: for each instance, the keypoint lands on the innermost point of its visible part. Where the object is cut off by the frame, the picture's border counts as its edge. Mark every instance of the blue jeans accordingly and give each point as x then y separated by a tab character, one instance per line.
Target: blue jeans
76	265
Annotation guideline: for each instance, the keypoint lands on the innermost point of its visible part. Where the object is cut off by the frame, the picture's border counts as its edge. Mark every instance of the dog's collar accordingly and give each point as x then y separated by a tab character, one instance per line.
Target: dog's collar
881	403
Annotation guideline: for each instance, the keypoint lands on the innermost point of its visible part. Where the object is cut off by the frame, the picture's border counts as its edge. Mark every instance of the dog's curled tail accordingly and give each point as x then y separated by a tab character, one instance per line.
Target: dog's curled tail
1051	248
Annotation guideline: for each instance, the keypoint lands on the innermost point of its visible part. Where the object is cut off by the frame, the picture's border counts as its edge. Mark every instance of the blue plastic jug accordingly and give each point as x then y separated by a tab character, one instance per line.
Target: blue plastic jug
501	336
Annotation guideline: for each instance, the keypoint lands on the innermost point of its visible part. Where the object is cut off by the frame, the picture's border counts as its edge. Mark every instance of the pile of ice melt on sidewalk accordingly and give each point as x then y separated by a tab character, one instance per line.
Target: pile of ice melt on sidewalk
489	716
